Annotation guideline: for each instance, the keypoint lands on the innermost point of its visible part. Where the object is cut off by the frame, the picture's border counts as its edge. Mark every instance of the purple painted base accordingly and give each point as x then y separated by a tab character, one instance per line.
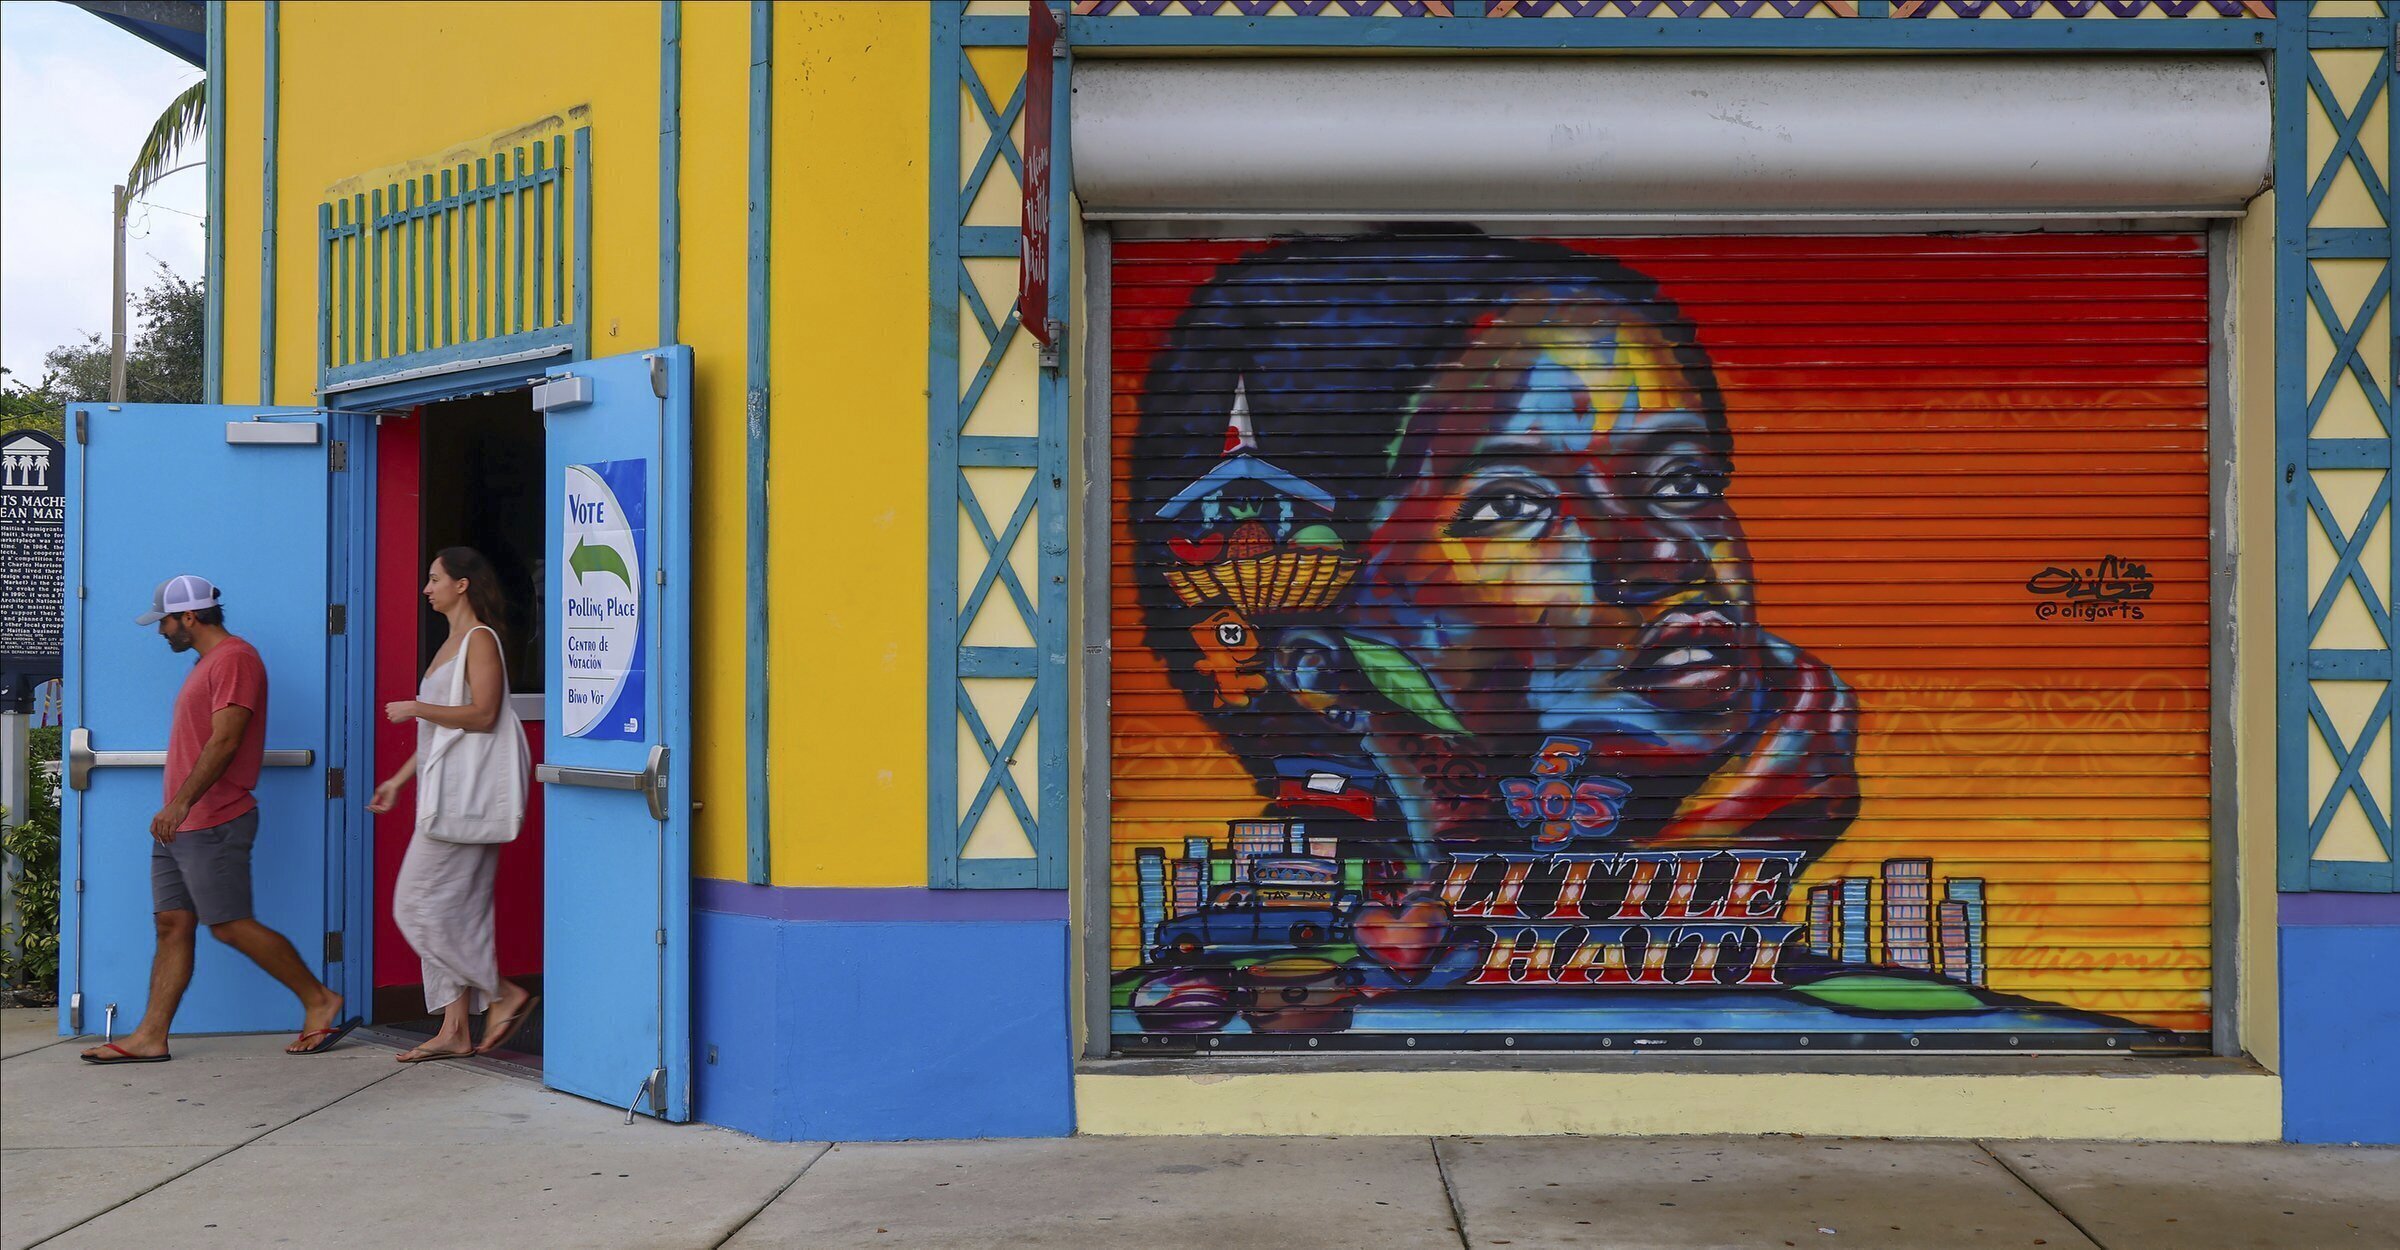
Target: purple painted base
898	905
2328	908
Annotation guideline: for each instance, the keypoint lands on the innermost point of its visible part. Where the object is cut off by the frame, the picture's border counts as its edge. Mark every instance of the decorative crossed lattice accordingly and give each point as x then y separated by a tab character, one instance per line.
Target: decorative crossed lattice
2083	8
1262	8
2335	430
1672	8
1677	8
997	646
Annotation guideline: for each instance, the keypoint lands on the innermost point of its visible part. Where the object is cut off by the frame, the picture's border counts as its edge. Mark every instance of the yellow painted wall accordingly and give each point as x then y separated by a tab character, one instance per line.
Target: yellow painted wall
380	87
714	318
245	42
848	490
847	723
370	87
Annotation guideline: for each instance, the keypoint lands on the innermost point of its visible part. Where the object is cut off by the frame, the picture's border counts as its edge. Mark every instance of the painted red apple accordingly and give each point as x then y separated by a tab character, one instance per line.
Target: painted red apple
1202	550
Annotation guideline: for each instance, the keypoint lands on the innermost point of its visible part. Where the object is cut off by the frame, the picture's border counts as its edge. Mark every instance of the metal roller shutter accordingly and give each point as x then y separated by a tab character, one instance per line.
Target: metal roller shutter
1733	642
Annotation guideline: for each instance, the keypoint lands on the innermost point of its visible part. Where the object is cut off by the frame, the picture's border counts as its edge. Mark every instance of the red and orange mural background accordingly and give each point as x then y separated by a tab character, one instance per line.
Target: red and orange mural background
1925	429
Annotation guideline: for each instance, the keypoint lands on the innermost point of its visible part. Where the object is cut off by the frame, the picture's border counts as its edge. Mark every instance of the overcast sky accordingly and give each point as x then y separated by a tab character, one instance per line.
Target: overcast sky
76	97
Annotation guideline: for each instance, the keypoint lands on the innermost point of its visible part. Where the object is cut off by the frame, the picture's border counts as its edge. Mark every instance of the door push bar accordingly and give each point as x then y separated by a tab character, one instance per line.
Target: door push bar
82	759
651	781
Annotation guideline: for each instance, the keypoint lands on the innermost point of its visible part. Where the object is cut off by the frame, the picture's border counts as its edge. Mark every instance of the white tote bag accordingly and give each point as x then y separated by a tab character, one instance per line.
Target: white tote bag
471	787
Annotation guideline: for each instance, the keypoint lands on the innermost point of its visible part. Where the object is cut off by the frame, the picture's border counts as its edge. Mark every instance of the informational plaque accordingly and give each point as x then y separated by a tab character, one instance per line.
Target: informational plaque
33	558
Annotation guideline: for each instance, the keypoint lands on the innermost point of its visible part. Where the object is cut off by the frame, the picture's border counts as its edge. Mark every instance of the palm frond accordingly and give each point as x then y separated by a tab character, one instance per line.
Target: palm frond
183	122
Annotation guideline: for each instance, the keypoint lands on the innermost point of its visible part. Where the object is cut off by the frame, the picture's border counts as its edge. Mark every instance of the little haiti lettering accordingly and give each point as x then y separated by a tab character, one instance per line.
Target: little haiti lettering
601	607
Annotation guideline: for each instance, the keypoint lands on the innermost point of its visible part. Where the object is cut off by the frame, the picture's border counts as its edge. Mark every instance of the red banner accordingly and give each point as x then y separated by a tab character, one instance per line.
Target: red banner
1033	233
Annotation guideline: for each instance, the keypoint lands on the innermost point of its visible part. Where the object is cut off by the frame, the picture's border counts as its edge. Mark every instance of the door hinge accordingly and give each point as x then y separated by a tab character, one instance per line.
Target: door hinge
661	935
337	783
658	376
83	426
333	946
337	456
337	618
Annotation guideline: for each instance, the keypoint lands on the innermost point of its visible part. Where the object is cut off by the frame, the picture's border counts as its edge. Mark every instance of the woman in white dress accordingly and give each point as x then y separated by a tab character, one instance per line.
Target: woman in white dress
468	805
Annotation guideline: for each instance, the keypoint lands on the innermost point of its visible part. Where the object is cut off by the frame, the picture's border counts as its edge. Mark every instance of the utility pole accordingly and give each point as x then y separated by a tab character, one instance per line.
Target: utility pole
116	312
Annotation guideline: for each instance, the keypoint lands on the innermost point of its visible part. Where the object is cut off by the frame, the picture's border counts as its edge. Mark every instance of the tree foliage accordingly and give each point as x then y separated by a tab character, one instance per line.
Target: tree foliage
165	352
180	126
29	949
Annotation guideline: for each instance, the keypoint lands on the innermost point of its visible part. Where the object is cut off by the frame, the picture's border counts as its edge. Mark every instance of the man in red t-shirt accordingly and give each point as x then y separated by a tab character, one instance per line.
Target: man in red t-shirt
200	867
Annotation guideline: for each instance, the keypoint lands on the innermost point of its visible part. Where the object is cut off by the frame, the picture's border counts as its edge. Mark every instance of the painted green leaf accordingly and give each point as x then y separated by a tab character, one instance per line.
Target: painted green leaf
1868	992
1401	681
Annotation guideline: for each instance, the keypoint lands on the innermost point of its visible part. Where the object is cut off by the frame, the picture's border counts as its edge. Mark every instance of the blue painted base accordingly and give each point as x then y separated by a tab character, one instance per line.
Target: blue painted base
2341	1033
881	1030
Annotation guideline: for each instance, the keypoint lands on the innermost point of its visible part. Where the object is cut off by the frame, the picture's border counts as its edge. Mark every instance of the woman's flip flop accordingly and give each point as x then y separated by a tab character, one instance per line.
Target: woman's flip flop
496	1036
428	1056
122	1056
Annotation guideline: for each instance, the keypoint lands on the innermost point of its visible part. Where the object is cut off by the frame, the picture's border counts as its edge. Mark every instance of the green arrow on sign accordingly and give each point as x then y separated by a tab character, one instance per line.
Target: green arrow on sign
587	559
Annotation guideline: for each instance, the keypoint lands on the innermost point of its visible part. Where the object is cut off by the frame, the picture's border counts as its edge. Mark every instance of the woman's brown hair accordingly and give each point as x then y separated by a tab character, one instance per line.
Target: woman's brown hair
483	586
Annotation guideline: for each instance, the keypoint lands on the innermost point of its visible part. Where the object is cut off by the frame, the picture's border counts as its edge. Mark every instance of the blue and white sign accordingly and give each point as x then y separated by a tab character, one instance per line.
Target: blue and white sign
601	550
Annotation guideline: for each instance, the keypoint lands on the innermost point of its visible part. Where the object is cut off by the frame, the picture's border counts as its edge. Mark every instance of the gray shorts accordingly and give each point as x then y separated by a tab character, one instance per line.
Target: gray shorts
206	870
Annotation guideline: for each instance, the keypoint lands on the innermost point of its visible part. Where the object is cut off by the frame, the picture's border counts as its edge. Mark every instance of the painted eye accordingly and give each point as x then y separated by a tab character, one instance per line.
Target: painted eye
1509	509
1686	484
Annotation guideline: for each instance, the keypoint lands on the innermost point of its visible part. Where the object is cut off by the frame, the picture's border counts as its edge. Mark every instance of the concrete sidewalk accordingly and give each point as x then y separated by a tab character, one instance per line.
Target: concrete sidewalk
236	1144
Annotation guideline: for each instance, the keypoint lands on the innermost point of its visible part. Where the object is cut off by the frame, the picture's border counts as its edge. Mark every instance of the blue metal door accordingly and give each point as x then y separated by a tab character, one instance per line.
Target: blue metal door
617	650
245	499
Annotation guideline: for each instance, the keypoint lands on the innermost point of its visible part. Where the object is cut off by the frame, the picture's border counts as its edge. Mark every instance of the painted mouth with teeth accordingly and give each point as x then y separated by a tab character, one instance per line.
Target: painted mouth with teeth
1693	659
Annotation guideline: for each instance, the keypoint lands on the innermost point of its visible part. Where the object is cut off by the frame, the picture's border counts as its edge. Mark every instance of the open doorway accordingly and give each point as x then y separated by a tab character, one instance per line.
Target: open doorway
464	472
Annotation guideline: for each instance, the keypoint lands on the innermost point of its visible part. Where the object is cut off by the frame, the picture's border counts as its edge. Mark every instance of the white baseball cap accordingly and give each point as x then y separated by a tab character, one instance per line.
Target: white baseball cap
185	593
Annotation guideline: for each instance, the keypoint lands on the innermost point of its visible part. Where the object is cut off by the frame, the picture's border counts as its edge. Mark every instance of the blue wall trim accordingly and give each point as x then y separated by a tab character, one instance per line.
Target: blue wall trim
1466	34
670	169
273	105
2291	343
565	339
862	905
212	366
2301	299
941	459
808	1031
754	626
2341	1033
1050	840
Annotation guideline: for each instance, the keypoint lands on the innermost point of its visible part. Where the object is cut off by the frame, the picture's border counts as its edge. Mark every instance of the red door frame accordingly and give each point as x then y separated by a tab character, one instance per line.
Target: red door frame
399	585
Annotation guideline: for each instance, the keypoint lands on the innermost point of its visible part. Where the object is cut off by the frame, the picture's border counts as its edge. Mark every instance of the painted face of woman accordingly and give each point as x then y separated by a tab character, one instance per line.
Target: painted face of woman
1568	574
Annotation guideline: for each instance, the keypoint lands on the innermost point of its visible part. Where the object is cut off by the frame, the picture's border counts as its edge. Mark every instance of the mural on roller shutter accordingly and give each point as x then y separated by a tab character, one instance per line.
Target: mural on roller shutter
1528	642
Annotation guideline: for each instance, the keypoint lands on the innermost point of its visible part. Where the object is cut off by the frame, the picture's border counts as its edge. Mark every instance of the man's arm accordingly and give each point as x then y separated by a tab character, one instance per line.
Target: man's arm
224	738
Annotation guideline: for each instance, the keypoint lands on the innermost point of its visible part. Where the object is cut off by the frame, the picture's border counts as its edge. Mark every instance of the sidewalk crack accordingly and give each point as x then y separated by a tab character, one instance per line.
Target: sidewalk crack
773	1198
1458	1218
247	1141
2006	1166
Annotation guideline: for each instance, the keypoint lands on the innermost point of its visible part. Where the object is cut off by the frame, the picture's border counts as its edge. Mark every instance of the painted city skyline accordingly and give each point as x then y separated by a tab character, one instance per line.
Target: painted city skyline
1917	932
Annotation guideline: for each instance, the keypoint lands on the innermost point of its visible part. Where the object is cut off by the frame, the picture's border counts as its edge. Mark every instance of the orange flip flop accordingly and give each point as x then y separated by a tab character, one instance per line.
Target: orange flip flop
327	1039
123	1056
